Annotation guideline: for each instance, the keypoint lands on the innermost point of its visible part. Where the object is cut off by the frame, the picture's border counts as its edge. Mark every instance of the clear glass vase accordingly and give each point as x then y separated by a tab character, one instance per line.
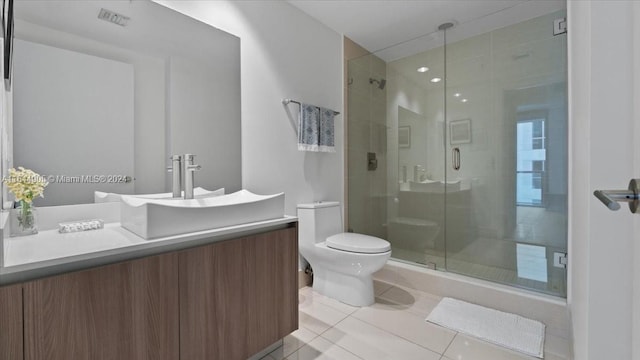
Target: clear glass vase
23	220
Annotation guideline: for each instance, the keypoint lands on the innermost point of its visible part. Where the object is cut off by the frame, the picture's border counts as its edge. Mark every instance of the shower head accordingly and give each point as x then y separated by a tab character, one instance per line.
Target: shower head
381	82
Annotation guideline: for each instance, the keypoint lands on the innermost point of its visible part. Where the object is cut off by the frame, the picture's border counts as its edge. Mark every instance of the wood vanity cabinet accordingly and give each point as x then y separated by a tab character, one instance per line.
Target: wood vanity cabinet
11	322
238	297
227	301
123	311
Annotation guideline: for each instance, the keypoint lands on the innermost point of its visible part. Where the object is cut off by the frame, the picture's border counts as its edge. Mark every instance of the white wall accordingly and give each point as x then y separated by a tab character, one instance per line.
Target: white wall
285	54
6	136
5	123
635	329
602	156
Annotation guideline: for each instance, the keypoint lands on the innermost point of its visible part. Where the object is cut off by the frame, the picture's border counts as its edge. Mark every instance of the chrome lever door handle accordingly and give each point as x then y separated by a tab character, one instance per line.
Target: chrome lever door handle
611	198
603	195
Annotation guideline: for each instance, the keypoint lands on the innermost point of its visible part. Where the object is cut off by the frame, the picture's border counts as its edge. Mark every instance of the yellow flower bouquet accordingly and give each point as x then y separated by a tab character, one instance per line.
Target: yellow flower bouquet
25	185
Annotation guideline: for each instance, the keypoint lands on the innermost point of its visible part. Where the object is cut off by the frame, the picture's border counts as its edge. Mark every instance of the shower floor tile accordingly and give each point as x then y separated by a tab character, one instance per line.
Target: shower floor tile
392	328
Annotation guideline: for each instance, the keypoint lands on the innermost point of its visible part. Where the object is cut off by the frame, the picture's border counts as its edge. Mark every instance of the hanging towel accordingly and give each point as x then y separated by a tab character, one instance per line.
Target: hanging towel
316	130
309	128
327	130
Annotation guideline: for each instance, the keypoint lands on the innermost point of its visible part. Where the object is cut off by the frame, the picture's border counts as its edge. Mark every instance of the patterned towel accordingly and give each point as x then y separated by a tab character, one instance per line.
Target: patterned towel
327	130
316	129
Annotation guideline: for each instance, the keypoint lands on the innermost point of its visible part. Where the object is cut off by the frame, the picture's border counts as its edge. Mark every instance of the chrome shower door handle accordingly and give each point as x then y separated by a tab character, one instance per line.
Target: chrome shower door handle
455	158
611	198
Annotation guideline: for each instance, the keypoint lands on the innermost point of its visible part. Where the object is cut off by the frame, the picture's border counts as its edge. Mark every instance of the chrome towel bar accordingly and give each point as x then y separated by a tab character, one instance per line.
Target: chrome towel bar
287	101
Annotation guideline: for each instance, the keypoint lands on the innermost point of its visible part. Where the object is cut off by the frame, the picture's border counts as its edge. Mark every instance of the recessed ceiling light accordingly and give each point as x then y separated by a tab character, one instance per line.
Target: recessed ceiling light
423	69
457	94
436	79
464	100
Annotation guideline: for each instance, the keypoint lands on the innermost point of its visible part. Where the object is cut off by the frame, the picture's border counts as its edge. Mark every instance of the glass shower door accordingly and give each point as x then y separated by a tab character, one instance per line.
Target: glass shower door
416	222
471	153
506	107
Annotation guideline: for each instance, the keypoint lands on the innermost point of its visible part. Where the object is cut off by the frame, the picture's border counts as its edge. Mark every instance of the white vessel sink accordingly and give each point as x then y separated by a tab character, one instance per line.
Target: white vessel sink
154	218
101	197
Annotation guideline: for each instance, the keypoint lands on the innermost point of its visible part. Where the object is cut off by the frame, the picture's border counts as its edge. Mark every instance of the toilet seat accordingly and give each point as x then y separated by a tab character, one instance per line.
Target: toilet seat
358	243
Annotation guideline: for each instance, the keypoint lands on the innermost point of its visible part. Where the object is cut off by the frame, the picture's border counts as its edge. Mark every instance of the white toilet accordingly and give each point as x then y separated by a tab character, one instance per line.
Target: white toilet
342	263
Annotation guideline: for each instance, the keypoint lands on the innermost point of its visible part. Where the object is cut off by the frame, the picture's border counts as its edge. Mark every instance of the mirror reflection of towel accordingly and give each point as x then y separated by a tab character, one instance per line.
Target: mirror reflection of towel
316	130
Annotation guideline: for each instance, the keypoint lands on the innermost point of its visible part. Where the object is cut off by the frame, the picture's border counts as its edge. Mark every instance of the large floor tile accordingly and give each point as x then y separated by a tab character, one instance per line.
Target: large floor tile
372	343
313	323
380	287
467	348
392	328
409	326
316	316
309	296
292	342
321	349
413	301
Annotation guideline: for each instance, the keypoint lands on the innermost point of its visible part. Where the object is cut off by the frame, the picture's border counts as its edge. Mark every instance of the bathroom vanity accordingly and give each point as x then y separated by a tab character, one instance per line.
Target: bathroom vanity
157	282
220	294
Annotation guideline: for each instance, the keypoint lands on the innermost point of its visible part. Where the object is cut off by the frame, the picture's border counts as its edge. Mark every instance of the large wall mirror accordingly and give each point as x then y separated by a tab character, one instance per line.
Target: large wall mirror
108	90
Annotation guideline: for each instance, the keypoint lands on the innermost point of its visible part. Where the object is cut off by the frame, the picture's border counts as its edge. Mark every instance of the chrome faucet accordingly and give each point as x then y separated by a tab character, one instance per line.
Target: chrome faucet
188	168
176	170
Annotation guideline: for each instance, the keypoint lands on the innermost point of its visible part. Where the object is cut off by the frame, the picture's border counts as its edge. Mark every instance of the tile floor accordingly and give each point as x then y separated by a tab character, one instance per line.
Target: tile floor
392	328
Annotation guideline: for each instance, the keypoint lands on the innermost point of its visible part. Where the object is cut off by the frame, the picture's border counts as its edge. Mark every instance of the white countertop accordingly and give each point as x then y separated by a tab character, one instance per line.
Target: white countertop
49	252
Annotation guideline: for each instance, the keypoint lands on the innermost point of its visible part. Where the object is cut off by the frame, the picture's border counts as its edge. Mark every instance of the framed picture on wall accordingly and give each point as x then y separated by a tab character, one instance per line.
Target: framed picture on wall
460	131
404	136
7	34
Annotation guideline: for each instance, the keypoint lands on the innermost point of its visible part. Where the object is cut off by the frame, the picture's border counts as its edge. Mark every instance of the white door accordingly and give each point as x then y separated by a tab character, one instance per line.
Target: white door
635	331
604	275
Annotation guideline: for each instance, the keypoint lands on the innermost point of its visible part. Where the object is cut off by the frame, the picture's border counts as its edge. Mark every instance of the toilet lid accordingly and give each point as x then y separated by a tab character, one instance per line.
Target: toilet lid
358	243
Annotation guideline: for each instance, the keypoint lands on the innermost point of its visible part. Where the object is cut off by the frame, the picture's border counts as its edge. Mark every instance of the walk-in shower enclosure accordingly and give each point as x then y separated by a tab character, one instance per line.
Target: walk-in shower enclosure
460	160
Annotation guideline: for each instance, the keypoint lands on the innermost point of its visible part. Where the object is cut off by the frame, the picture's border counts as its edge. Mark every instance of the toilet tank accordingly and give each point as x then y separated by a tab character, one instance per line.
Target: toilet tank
317	221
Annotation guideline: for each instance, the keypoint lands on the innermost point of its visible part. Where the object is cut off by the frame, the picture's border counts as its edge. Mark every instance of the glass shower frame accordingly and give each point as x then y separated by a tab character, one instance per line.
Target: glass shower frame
465	220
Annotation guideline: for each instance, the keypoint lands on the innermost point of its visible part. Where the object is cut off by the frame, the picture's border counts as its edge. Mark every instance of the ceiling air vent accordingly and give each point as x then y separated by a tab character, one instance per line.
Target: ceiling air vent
112	17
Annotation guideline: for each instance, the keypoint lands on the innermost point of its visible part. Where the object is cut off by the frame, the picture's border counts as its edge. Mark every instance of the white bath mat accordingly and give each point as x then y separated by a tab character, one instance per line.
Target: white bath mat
497	327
